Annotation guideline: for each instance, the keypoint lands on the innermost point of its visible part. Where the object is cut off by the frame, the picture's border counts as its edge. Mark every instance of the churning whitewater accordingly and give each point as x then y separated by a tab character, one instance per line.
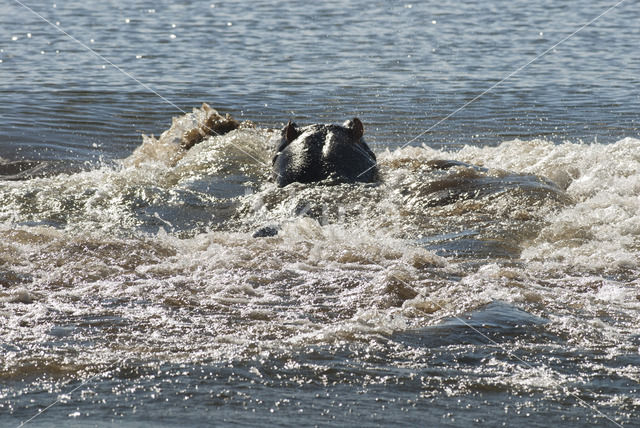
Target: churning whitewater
152	259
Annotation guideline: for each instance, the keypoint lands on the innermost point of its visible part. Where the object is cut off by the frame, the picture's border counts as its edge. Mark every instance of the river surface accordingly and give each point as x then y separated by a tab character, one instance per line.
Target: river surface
502	291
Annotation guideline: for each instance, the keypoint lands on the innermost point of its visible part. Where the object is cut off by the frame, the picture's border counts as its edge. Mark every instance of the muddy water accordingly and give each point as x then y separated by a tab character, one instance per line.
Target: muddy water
502	290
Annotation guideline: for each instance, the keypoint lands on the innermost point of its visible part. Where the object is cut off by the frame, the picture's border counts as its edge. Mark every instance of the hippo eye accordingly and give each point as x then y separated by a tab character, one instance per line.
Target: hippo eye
290	132
356	126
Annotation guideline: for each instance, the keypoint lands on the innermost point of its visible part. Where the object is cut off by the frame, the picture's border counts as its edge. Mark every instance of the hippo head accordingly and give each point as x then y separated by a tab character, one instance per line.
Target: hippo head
317	152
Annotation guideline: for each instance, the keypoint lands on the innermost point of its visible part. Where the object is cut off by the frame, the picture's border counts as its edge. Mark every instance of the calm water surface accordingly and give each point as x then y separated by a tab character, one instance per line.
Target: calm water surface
507	294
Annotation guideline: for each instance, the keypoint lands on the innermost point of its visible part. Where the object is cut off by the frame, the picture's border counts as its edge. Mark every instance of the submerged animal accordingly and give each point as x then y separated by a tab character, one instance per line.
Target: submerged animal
319	152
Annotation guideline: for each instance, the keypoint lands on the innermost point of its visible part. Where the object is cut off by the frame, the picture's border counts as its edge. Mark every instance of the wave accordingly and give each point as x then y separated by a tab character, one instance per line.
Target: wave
547	226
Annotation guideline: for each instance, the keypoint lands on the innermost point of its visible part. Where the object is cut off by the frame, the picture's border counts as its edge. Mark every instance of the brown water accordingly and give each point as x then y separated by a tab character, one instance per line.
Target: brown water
502	291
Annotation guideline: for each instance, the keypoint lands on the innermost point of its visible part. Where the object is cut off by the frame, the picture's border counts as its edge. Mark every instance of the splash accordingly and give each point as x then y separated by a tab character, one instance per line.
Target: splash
153	258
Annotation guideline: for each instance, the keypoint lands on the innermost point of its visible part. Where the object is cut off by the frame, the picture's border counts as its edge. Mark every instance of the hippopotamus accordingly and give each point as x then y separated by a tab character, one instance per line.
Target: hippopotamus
319	152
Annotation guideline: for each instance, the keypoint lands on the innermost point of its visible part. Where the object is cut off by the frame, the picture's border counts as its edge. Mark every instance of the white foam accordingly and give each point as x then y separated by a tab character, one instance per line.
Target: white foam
354	278
600	231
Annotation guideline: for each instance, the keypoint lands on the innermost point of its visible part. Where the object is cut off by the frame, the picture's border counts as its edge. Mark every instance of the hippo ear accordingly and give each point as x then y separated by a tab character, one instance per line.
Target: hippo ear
356	127
290	132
